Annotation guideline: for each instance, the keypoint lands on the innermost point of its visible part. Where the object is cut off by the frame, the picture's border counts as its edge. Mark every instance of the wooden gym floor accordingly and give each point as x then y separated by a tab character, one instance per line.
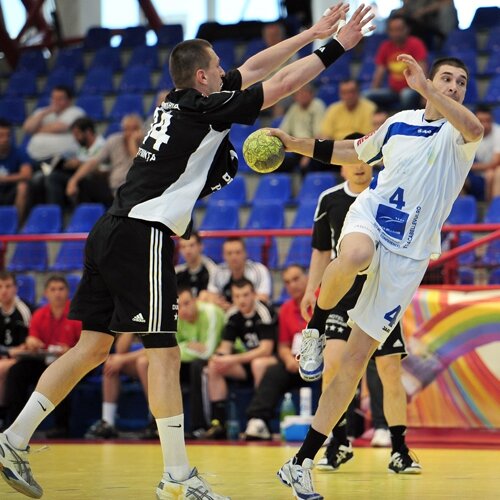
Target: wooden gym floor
112	471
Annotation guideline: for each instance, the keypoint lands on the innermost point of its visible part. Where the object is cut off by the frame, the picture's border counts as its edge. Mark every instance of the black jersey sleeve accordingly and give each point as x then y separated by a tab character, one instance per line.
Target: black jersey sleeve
230	331
322	232
232	80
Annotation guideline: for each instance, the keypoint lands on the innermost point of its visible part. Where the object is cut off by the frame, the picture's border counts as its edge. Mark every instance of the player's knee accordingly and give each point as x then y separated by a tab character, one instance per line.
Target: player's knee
353	363
142	363
355	259
390	374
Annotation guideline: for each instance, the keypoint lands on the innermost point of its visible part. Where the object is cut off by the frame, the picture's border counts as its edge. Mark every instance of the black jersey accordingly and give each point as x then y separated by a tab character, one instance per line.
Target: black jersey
186	154
261	325
14	325
333	205
196	279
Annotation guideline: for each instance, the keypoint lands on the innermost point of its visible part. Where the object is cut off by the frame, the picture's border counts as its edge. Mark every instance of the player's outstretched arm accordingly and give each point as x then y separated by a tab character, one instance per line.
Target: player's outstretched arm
265	62
458	115
295	75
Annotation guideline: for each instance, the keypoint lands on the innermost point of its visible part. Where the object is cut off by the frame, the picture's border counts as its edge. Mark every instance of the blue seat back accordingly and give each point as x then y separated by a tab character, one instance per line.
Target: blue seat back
314	184
125	104
84	217
69	257
274	187
8	219
464	211
26	288
43	219
136	79
29	256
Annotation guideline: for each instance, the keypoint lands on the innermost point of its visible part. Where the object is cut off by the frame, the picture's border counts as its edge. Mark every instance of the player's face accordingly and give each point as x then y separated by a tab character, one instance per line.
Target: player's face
295	282
451	82
234	254
349	94
57	293
214	73
187	307
8	291
357	174
130	127
59	100
486	121
243	298
397	30
190	249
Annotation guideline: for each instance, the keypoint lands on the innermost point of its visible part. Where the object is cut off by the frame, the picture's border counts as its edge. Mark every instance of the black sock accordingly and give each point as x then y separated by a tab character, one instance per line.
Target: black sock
219	411
311	445
319	318
398	433
340	431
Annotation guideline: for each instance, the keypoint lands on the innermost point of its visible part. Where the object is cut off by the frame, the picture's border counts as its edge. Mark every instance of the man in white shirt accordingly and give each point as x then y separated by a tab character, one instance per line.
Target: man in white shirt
390	233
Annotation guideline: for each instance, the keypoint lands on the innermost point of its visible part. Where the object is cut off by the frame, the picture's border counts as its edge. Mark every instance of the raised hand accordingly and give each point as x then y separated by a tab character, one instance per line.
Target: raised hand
351	34
328	23
414	73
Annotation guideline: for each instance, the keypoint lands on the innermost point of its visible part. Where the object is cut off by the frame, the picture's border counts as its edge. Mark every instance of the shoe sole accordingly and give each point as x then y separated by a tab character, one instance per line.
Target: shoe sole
311	376
16	484
406	471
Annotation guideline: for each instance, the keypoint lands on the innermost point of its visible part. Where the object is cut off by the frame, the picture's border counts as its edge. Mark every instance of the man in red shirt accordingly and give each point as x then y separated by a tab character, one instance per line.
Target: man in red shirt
400	42
49	330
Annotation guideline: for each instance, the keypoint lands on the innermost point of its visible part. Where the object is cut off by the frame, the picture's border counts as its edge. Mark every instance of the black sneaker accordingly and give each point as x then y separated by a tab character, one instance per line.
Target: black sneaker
217	431
101	430
335	455
404	462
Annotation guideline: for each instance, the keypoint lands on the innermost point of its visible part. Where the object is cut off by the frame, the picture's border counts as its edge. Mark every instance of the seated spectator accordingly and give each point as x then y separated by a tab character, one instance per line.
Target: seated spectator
197	269
483	181
119	151
283	376
15	318
15	172
83	130
235	267
50	126
303	119
50	334
400	42
352	113
254	324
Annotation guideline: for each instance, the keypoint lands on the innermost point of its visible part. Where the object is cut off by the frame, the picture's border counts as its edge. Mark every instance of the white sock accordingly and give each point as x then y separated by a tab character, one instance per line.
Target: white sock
109	412
175	460
35	410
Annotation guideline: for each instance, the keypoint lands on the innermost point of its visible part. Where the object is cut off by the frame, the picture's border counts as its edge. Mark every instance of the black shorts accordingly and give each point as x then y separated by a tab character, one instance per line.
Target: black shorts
128	283
337	328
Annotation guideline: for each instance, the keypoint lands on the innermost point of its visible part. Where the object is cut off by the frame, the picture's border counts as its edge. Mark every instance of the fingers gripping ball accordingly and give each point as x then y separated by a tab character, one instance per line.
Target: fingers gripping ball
263	153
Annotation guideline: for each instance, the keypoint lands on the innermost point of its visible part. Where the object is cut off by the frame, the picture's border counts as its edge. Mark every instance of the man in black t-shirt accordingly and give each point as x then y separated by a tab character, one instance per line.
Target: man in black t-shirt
253	324
128	284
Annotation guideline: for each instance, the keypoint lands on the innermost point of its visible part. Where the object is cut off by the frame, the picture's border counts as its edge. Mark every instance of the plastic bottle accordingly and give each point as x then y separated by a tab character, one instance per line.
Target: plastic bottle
233	424
305	401
287	408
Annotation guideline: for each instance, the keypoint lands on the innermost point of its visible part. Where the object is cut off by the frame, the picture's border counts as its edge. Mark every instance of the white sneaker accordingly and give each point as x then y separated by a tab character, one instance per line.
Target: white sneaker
257	430
15	469
311	355
298	477
192	488
381	438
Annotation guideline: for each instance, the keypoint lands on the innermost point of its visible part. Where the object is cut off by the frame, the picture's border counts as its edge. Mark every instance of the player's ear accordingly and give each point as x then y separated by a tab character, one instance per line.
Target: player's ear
201	76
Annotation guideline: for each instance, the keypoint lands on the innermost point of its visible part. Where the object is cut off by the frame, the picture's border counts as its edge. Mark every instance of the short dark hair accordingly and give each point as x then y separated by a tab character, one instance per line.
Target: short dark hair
483	108
185	288
243	282
185	59
196	236
294	265
396	17
58	278
84	124
5	123
349	80
354	135
64	88
232	239
449	61
7	275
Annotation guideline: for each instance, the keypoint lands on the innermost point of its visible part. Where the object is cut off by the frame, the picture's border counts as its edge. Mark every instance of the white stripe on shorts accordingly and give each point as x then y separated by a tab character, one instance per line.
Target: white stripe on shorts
155	295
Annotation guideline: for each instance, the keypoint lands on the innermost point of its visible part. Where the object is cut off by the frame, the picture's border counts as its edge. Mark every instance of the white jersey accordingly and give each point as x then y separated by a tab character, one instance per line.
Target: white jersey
426	164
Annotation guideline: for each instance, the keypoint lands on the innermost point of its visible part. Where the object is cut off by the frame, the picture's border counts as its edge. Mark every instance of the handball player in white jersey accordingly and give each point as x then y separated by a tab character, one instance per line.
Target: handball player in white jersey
390	233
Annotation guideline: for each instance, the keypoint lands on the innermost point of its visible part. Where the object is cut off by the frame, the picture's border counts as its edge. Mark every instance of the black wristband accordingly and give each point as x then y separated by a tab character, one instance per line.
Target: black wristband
323	150
330	52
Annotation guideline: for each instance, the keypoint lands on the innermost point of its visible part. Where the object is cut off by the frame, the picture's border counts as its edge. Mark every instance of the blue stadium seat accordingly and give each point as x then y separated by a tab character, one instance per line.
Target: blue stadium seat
314	184
133	36
337	72
304	215
464	211
237	136
468	56
235	192
468	258
496	114
43	219
13	110
460	40
97	38
486	17
472	94
492	215
42	101
466	276
328	93
170	35
107	57
84	217
299	252
73	282
136	79
29	256
258	251
493	42
144	55
253	47
492	254
225	50
366	71
372	43
70	58
125	104
492	67
165	80
98	80
492	95
8	219
21	83
69	257
112	128
32	60
26	288
93	105
274	187
494	278
60	76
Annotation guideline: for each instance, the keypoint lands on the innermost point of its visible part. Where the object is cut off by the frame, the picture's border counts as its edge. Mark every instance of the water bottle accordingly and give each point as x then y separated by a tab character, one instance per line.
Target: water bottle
287	408
233	424
305	401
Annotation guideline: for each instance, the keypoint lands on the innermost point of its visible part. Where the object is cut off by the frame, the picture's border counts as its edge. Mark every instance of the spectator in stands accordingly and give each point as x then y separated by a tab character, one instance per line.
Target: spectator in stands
352	113
304	116
197	269
119	151
400	42
50	126
15	171
235	267
15	317
483	181
254	324
50	334
83	130
283	376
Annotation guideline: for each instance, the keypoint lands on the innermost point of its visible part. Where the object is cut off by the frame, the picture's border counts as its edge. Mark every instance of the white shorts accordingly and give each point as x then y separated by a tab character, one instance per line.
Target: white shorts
391	282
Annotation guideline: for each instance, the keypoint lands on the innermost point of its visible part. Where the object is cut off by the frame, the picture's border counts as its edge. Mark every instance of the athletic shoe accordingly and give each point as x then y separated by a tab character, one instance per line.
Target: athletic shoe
298	477
257	430
101	430
192	488
404	462
381	438
335	455
311	355
15	469
216	431
150	432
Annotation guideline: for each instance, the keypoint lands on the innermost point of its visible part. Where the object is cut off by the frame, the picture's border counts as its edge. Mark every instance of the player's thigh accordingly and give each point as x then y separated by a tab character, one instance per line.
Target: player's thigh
238	371
130	368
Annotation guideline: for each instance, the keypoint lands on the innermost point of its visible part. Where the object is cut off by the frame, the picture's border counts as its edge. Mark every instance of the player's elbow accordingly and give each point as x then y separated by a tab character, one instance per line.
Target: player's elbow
475	132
